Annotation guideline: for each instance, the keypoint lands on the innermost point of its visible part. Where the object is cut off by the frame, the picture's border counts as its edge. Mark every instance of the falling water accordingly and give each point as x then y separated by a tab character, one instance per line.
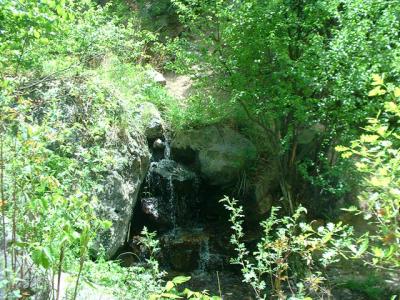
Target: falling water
167	148
170	184
204	255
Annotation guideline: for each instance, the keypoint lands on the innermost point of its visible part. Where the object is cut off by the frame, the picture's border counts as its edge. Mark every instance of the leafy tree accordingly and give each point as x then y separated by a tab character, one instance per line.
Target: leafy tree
28	24
284	68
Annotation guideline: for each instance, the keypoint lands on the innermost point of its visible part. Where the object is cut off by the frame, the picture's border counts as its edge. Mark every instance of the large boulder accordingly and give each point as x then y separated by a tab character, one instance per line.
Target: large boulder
150	118
219	152
121	187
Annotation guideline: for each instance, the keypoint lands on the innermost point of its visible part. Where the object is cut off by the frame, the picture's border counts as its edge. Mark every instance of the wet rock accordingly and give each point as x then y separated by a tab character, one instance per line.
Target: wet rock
156	211
167	168
173	189
183	249
158	144
221	153
150	207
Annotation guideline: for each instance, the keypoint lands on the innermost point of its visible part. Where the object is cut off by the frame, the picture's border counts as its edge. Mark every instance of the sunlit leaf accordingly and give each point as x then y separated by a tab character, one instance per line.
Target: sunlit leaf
377	79
169	286
377	91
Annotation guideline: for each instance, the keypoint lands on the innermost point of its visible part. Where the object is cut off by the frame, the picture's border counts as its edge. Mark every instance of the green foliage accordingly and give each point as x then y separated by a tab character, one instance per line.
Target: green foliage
26	25
47	195
57	116
131	85
373	287
136	282
283	67
287	241
377	156
170	291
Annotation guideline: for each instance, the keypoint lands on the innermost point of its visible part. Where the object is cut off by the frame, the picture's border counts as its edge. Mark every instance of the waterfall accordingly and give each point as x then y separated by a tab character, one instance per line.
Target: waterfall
204	254
170	184
167	144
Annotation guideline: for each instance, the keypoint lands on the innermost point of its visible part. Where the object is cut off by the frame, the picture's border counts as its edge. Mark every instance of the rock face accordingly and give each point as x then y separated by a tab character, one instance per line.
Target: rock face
121	187
153	124
219	153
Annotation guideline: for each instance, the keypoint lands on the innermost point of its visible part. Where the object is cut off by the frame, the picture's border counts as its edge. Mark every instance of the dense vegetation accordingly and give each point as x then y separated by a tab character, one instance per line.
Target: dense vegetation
313	85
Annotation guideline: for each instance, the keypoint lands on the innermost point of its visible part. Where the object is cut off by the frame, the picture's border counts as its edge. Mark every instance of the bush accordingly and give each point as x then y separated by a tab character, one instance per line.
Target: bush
288	253
377	157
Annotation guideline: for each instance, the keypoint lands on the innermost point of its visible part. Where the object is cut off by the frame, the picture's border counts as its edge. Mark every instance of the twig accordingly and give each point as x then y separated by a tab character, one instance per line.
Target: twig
219	286
2	198
59	271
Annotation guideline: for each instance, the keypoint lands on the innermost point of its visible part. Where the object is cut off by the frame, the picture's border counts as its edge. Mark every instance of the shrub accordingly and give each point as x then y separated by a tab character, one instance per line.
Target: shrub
377	157
286	242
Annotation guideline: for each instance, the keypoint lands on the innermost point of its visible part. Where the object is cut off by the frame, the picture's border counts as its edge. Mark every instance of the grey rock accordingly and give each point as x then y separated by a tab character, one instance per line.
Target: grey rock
307	135
262	189
263	199
167	168
35	282
85	291
221	153
157	77
121	187
150	118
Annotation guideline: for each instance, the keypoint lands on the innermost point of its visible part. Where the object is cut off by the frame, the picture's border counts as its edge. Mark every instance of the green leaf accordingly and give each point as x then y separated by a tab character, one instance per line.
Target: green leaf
36	34
106	224
351	209
169	286
170	296
363	248
181	279
41	256
377	91
378	252
397	92
60	10
377	79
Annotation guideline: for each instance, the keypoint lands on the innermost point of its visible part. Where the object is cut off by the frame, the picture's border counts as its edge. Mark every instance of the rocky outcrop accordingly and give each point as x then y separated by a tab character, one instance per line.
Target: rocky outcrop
150	118
219	153
121	186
